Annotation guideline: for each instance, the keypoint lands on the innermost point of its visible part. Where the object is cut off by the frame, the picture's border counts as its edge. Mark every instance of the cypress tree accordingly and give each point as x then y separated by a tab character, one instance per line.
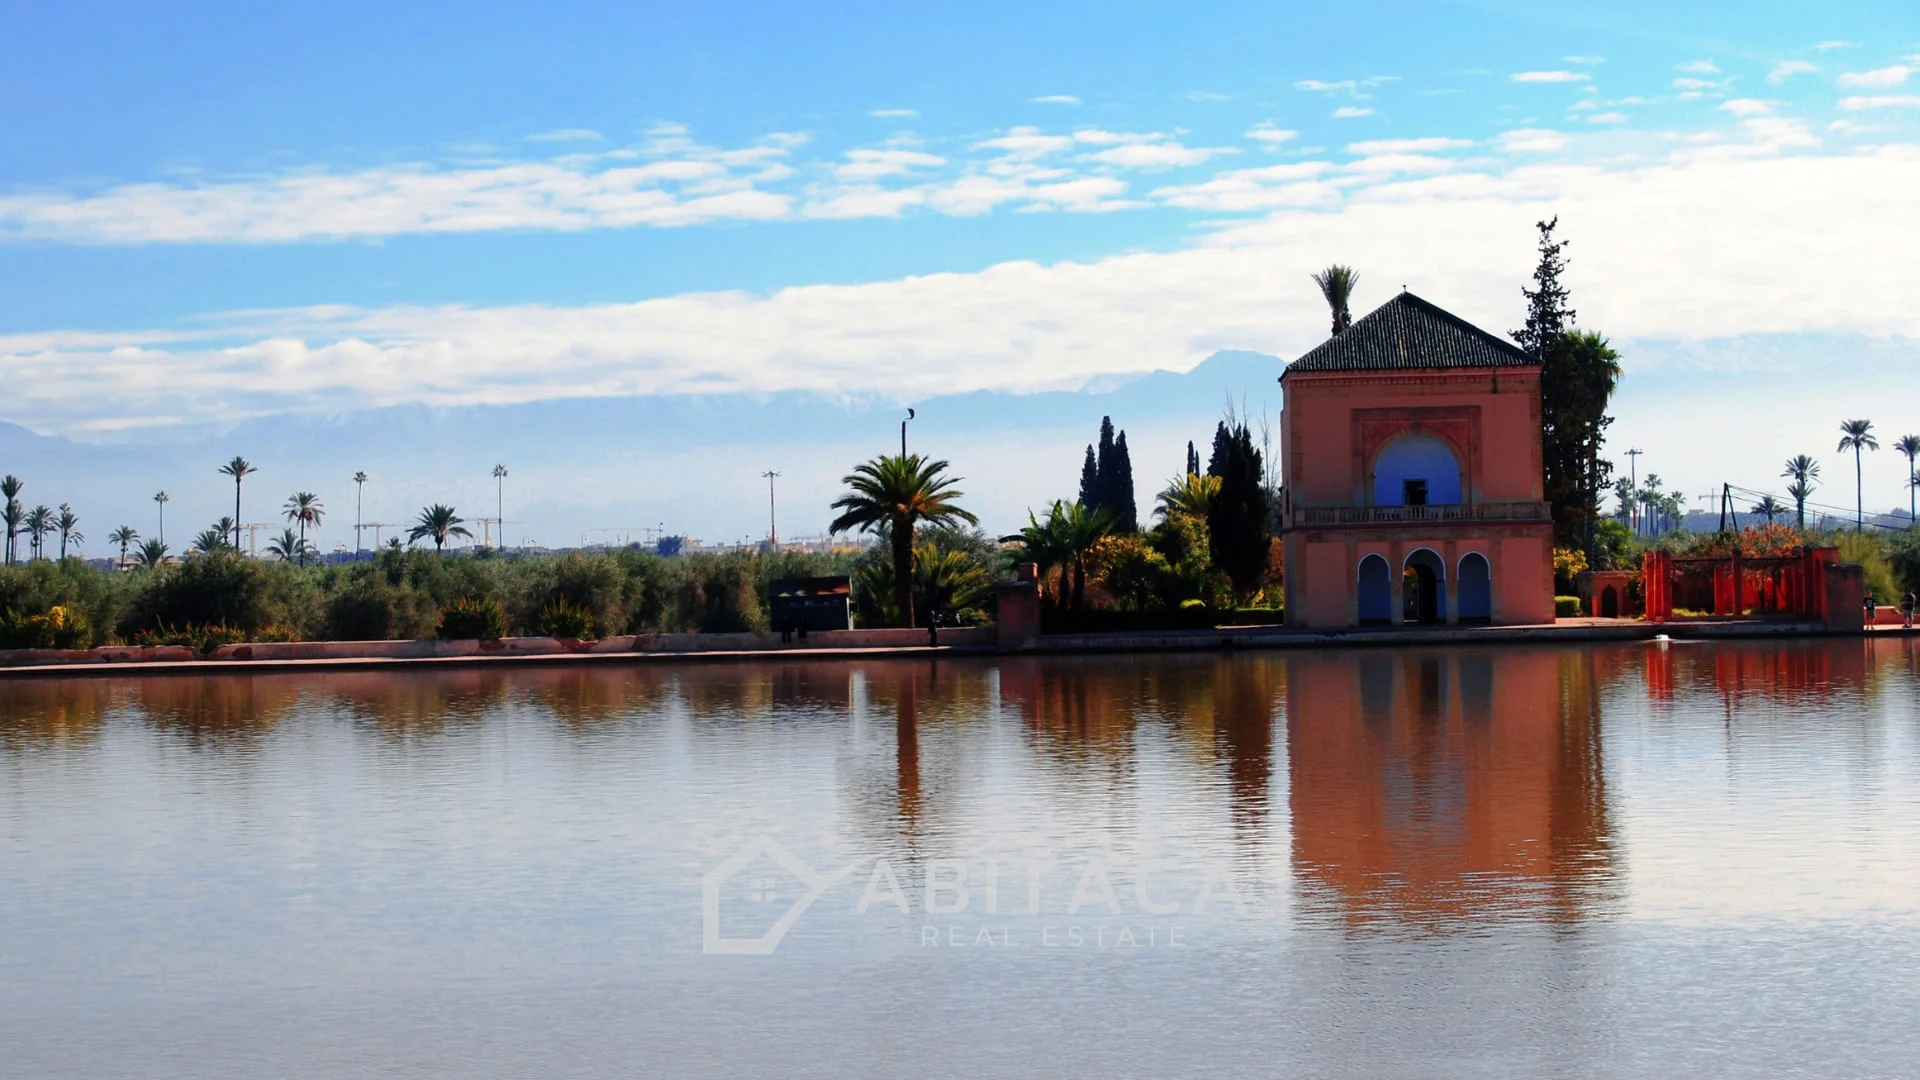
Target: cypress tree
1126	518
1237	532
1193	459
1090	481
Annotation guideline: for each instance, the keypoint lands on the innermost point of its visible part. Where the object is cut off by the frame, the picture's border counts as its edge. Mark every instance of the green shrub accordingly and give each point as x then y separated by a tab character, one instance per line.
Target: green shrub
59	628
1567	607
565	620
367	607
472	618
203	638
218	589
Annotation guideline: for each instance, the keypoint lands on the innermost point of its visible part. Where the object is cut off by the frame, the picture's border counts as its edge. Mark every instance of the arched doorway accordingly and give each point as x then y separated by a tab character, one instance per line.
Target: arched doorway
1424	588
1609	603
1416	470
1376	591
1476	588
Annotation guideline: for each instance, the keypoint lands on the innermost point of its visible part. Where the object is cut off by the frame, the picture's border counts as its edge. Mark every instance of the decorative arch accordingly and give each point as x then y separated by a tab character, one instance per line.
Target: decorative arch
1375	592
1416	468
1423	588
1476	588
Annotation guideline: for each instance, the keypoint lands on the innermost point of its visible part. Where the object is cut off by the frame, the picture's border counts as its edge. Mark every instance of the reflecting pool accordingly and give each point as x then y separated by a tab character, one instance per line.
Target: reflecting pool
1633	861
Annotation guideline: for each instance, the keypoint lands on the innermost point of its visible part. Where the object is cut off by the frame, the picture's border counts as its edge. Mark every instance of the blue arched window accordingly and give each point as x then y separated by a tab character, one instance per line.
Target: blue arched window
1416	470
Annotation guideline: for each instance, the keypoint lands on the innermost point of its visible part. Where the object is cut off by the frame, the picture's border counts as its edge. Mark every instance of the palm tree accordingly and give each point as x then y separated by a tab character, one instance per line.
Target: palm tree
305	507
1191	495
216	537
1857	435
1336	284
126	538
437	522
951	581
239	468
10	488
288	546
892	494
359	488
152	554
1769	506
1910	446
68	525
1805	474
1064	540
39	524
1650	499
160	498
500	501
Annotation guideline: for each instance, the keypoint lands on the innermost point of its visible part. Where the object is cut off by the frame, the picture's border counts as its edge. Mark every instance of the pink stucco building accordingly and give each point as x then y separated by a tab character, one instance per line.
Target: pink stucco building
1411	446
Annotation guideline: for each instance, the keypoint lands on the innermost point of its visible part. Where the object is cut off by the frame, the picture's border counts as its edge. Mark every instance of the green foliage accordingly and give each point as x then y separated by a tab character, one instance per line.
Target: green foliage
1903	557
894	495
1615	547
1106	480
1237	520
218	588
1568	607
1873	553
58	628
565	619
472	618
367	606
721	595
202	638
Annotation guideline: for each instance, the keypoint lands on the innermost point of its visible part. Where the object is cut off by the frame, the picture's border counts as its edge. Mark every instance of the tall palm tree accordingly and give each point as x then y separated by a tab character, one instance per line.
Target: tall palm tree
1857	435
500	501
125	537
151	554
1336	284
160	499
305	507
68	524
1910	446
10	489
893	494
239	468
1769	506
1650	499
1191	495
217	537
1805	474
359	488
437	522
39	524
1064	540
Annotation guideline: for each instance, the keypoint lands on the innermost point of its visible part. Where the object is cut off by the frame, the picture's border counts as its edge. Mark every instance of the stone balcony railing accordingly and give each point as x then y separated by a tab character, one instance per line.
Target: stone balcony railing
1323	516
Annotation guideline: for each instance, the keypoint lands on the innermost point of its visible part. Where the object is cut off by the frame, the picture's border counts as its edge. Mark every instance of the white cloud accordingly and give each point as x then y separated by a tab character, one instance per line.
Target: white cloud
1787	69
1350	112
567	135
1607	118
1315	85
1407	146
1549	76
1661	251
1829	46
1056	99
1878	79
1881	101
1852	127
1103	137
1585	59
1698	67
1533	141
895	114
874	164
1205	95
1026	142
1746	107
1154	155
1266	132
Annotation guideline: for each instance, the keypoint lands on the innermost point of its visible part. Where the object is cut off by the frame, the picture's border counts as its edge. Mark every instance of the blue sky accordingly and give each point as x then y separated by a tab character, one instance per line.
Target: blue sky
216	213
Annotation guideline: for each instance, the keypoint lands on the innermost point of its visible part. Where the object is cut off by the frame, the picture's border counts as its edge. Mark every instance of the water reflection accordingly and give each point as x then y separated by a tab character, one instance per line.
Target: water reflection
1430	786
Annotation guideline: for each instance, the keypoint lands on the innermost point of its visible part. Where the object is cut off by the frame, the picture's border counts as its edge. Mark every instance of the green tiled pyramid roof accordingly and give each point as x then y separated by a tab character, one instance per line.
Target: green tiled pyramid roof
1405	333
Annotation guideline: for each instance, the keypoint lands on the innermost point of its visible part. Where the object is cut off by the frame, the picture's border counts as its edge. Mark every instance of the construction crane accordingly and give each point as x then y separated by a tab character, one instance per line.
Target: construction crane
376	526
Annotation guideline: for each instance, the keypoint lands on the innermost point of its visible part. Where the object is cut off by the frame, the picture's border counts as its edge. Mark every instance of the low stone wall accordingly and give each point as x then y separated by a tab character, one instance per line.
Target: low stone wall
429	648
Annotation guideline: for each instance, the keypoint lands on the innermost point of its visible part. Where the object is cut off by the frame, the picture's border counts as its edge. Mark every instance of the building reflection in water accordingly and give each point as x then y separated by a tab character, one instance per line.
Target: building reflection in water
1431	786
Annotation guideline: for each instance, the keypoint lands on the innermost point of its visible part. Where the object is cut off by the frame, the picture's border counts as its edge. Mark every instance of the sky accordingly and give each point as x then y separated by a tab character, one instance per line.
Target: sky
219	214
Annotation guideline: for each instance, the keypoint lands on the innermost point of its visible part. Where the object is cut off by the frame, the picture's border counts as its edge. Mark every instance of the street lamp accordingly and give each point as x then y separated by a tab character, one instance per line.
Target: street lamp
903	435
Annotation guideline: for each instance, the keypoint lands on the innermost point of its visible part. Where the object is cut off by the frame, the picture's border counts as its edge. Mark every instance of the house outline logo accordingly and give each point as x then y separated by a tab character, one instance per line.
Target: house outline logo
816	883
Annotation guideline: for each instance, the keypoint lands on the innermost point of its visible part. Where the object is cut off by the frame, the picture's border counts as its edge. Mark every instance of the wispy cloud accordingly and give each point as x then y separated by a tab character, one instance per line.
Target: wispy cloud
1744	107
895	114
567	135
1056	99
1319	87
1607	118
1533	141
1881	101
1205	95
1587	60
1698	67
1787	69
1878	79
1549	76
1155	155
1266	132
1350	112
1829	46
1684	83
1372	147
863	165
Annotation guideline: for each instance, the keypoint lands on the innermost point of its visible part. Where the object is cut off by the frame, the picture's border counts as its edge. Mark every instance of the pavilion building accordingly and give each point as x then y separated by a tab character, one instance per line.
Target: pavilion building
1413	484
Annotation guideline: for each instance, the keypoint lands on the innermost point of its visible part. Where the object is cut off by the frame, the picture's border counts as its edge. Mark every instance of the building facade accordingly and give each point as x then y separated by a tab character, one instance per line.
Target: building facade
1413	485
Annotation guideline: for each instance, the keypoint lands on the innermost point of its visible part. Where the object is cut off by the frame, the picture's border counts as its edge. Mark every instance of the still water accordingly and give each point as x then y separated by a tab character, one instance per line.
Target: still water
1699	860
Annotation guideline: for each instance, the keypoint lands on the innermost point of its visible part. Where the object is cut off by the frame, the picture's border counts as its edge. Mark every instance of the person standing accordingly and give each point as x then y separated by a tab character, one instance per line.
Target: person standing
1906	610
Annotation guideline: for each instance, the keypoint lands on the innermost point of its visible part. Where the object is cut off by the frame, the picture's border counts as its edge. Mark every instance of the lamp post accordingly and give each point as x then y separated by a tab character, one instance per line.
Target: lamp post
1633	489
903	435
773	521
